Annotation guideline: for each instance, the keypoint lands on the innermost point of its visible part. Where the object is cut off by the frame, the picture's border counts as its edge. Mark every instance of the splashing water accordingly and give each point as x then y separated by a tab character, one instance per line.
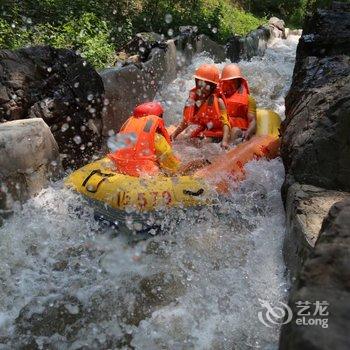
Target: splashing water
67	282
120	141
269	78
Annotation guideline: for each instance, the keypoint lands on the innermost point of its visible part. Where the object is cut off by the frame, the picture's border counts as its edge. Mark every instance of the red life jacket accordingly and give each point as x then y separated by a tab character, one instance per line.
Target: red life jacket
237	106
140	157
207	115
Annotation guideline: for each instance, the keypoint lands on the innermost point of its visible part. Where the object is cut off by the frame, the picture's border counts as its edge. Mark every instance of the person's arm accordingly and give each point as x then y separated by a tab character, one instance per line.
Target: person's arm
185	122
226	127
168	162
251	118
181	127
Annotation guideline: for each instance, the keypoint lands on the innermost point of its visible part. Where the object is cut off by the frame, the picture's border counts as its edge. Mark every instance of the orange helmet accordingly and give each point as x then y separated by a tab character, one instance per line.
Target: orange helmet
231	71
148	108
208	72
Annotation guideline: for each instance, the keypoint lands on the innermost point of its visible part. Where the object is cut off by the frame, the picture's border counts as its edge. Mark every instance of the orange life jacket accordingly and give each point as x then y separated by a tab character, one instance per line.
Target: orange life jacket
140	157
207	115
237	106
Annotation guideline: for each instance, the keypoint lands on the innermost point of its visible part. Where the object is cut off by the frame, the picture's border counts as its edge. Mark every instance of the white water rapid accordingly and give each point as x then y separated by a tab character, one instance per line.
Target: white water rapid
66	282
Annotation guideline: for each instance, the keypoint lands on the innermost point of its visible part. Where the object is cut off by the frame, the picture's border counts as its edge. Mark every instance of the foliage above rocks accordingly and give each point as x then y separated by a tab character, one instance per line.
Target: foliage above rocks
97	29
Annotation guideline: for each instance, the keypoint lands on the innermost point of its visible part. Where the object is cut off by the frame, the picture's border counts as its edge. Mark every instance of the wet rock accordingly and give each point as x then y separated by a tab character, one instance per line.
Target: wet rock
62	322
253	44
29	157
161	288
162	64
315	150
45	316
340	6
125	305
277	28
216	51
123	59
188	30
151	293
139	83
315	135
306	207
325	34
324	277
125	88
186	44
143	43
71	257
60	87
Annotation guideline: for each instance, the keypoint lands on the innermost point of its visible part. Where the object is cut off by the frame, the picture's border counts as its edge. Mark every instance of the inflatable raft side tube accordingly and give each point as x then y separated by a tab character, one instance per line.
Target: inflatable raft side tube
268	123
99	182
230	165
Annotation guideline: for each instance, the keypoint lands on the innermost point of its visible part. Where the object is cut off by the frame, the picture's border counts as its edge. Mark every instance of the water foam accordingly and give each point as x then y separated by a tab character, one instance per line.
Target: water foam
194	287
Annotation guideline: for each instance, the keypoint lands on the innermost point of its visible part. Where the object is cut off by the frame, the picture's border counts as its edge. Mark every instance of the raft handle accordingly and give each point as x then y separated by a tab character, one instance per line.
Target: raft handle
195	194
99	172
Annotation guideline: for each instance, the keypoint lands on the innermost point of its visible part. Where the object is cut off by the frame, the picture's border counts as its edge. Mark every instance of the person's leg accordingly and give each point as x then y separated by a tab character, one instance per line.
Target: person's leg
236	135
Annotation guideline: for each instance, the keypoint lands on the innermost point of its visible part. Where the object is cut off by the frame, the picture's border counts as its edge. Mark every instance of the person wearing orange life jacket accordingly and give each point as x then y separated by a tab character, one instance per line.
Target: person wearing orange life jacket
151	151
205	108
241	107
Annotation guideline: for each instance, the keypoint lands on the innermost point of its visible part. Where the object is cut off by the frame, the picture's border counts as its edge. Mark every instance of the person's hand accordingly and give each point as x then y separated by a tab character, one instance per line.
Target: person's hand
224	145
246	135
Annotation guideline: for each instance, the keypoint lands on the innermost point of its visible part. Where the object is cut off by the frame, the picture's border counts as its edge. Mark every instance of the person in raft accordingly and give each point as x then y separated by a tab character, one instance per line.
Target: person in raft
151	151
240	105
205	108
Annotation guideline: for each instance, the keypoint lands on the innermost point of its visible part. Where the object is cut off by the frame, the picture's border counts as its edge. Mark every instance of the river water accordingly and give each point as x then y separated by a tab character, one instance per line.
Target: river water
68	282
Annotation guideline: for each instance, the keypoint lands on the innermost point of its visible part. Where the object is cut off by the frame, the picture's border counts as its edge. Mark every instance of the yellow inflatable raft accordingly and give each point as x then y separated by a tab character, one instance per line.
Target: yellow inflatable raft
113	194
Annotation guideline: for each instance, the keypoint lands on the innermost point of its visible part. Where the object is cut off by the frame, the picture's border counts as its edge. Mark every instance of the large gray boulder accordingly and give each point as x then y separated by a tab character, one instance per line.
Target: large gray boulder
246	47
29	157
215	50
315	134
60	87
325	34
306	207
325	277
277	28
128	86
125	87
315	149
143	43
186	44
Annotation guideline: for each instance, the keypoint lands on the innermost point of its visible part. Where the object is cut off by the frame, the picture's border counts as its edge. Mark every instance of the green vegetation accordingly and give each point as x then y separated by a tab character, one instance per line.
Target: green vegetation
98	28
88	34
292	12
219	19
